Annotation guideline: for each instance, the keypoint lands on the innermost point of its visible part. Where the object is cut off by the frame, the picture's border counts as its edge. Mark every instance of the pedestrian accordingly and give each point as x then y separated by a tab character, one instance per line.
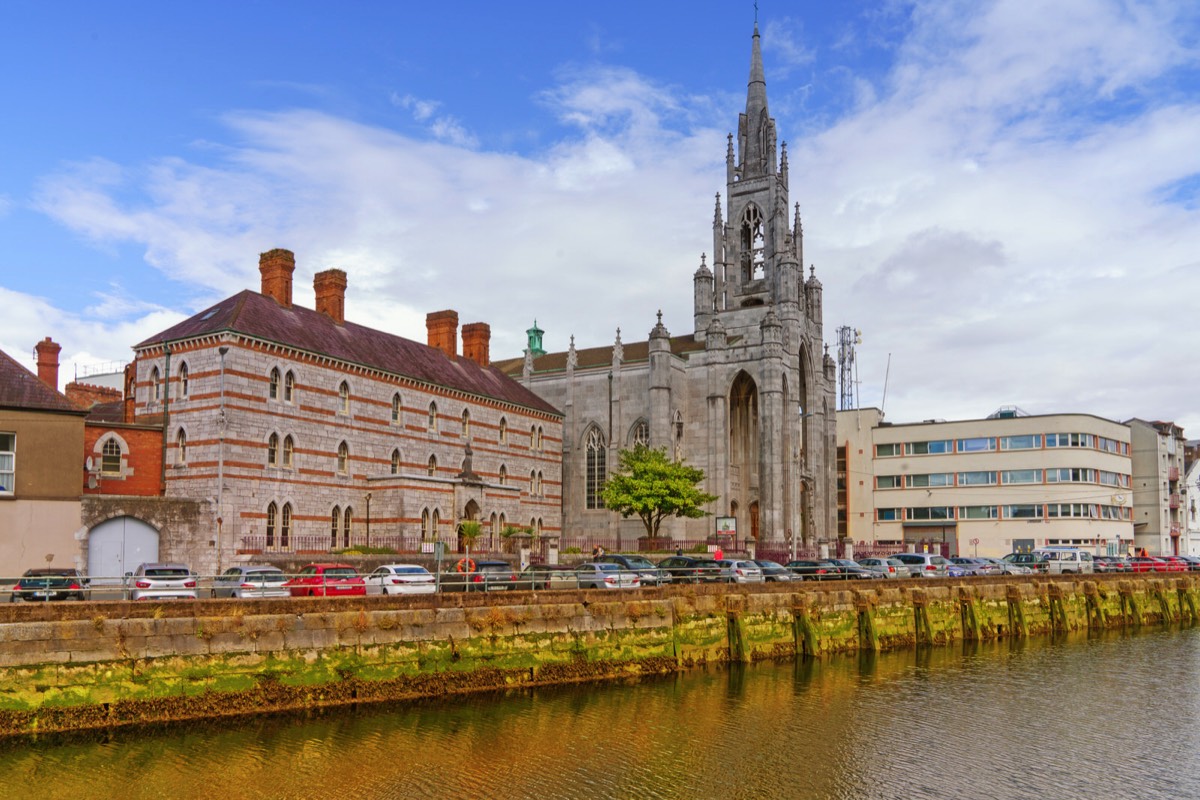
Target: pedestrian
596	552
678	551
718	554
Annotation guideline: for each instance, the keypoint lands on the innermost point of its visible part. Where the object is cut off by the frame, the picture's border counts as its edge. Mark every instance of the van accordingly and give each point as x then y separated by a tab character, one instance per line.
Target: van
1066	560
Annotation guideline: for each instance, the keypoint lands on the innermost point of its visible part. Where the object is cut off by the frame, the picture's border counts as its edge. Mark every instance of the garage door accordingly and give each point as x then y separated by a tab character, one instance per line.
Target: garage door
118	546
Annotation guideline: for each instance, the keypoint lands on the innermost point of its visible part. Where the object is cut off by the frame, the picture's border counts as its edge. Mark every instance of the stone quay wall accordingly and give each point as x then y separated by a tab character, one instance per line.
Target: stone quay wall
76	666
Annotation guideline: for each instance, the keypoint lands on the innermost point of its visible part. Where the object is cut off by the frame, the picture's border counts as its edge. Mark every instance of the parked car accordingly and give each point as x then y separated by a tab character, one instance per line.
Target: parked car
605	575
925	565
162	582
852	569
814	570
689	569
540	577
646	571
1107	564
976	566
250	581
400	579
736	570
1147	564
1031	561
1175	563
774	572
1193	562
1007	567
327	580
887	567
49	584
1066	560
481	576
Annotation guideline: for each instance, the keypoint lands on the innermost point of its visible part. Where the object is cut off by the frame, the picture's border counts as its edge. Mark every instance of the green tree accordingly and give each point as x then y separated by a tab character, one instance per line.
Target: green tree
654	487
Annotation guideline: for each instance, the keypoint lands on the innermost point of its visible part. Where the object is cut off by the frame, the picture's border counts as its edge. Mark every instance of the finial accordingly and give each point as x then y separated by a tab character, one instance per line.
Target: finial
755	16
812	271
660	316
702	257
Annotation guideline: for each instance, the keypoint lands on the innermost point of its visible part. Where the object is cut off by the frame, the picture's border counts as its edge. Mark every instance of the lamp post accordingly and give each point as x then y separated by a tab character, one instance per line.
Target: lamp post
368	520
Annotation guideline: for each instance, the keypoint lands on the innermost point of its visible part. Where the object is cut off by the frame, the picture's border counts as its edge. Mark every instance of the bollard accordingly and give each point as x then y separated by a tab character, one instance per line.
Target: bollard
1164	606
1059	622
867	638
1016	612
804	632
922	630
1187	600
1096	618
735	631
966	611
1131	614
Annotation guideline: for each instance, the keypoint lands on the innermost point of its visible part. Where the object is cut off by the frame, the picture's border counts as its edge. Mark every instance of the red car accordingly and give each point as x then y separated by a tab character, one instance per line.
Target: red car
1148	564
327	580
1175	563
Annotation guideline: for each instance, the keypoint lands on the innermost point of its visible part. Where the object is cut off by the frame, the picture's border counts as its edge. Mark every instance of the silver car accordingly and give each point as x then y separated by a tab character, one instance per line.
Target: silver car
925	565
1007	567
161	582
250	581
736	570
400	579
605	576
888	567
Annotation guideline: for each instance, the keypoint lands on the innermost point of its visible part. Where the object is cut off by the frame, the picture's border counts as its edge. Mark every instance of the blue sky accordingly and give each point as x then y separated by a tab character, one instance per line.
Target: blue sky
1004	200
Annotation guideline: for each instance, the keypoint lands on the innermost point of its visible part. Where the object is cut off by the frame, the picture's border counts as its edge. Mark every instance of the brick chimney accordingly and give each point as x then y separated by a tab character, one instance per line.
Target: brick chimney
476	336
276	267
47	361
330	287
442	327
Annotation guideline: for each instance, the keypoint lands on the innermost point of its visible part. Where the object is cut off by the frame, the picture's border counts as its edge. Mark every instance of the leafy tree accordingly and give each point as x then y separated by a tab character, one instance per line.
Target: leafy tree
654	487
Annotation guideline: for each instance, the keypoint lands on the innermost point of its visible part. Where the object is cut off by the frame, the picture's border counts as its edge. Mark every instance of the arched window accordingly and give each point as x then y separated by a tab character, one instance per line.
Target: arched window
285	525
596	457
273	450
503	475
432	424
753	244
183	381
533	437
540	444
289	447
425	524
432	465
396	461
155	385
539	526
396	409
343	458
181	447
541	489
273	385
347	526
495	530
503	522
110	458
272	513
344	397
434	522
532	483
335	521
503	431
466	424
640	434
289	387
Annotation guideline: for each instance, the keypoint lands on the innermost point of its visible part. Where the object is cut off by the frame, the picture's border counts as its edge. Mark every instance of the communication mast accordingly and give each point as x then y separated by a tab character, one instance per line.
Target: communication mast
847	338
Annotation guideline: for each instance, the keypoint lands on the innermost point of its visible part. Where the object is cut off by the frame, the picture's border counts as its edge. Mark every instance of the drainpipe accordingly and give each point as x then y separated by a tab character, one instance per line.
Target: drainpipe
166	415
221	424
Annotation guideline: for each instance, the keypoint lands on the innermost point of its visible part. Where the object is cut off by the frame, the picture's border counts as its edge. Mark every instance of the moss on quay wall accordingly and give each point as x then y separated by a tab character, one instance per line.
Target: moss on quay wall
71	666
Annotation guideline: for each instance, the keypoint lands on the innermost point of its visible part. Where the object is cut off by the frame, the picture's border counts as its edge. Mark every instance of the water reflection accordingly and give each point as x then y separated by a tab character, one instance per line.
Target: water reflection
1109	715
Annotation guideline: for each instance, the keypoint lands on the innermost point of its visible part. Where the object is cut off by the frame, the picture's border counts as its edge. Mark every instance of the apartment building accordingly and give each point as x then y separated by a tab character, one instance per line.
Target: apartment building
1158	475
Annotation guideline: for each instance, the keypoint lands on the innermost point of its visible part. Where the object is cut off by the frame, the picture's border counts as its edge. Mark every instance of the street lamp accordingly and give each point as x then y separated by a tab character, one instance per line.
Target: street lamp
368	519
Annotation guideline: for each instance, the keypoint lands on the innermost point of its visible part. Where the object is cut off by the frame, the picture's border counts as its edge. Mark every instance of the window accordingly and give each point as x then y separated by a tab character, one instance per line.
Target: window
432	466
466	424
533	484
273	385
931	513
289	387
347	525
1029	441
343	458
425	524
8	462
1009	476
434	521
396	462
1108	445
978	512
181	447
934	479
273	450
503	430
285	525
335	521
432	424
183	381
272	514
753	244
1027	511
533	437
540	443
344	397
979	444
930	448
1071	475
1069	440
155	385
889	482
596	457
110	458
1073	510
640	434
289	447
395	409
887	514
503	475
887	450
977	478
541	489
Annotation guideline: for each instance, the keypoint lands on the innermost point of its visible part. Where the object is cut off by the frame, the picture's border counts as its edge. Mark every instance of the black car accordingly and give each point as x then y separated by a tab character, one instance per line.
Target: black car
815	569
648	574
852	569
49	584
774	572
689	569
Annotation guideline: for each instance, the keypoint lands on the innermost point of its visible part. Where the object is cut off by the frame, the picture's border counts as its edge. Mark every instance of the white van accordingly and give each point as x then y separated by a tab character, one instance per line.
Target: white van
1066	560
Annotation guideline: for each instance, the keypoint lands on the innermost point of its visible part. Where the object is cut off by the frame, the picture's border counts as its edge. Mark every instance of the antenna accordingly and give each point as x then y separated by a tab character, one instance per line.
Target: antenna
847	338
886	373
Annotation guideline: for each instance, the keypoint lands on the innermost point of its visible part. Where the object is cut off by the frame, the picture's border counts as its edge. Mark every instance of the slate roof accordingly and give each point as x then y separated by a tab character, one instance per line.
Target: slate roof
254	314
598	356
21	389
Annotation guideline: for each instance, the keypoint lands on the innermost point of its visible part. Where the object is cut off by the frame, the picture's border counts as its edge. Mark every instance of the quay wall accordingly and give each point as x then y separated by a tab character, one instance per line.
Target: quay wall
74	666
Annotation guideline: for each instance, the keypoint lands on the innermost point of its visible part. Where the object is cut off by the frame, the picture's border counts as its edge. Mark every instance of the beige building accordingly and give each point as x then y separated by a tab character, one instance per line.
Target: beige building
1158	474
986	486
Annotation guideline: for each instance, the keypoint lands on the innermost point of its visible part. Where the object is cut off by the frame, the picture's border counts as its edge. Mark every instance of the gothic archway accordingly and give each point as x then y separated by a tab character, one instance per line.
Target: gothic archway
743	441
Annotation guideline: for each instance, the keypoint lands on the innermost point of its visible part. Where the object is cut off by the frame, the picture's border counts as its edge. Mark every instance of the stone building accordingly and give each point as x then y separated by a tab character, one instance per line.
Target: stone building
747	396
296	430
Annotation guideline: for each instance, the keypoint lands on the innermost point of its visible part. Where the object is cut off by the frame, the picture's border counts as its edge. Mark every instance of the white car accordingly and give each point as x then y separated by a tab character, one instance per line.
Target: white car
161	582
400	579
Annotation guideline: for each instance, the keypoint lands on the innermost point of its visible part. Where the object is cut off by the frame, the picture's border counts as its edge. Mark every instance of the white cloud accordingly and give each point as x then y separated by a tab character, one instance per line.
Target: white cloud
443	127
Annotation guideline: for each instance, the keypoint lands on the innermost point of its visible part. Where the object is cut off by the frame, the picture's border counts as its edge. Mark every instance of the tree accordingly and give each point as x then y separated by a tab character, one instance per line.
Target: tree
654	487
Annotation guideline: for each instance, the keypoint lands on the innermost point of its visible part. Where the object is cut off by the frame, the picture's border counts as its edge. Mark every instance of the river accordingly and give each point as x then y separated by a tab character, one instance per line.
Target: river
1106	716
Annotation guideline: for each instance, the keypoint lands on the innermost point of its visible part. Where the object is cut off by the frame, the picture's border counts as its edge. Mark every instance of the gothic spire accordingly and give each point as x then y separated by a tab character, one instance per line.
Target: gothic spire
758	136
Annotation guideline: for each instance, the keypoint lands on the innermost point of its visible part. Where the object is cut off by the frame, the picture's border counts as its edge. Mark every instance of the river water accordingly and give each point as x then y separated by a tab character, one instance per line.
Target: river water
1108	716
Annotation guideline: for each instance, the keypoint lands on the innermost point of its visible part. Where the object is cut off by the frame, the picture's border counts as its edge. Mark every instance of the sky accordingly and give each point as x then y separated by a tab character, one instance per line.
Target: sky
1003	197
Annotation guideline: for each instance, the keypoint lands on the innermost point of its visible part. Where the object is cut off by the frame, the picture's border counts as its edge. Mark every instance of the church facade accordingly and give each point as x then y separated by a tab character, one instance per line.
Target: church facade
748	396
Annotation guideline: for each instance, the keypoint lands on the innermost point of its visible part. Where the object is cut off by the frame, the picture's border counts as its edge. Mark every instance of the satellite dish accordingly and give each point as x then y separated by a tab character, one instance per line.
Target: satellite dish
88	464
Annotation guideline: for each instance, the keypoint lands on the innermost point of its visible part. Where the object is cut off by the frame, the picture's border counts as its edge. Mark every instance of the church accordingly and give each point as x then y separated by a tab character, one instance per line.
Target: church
747	396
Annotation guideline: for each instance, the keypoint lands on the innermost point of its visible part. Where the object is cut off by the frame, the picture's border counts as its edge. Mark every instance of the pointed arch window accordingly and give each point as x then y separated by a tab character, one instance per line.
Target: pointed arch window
596	456
431	425
344	397
273	384
533	437
533	483
285	525
434	522
753	241
110	458
335	522
541	490
347	525
432	466
343	458
396	405
272	518
396	461
425	524
289	448
289	387
184	381
640	434
273	450
503	431
466	424
155	385
181	447
503	475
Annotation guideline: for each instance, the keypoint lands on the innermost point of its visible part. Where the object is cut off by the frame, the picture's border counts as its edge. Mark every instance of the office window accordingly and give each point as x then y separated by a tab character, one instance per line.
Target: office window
1025	511
888	450
934	479
889	482
978	512
937	447
930	513
1028	441
1010	476
887	514
977	478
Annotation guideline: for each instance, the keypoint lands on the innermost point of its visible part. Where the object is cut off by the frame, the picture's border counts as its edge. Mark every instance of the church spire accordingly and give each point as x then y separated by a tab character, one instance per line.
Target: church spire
757	134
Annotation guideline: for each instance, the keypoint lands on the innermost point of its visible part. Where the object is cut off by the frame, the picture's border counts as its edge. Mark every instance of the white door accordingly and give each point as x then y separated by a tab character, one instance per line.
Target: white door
117	546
